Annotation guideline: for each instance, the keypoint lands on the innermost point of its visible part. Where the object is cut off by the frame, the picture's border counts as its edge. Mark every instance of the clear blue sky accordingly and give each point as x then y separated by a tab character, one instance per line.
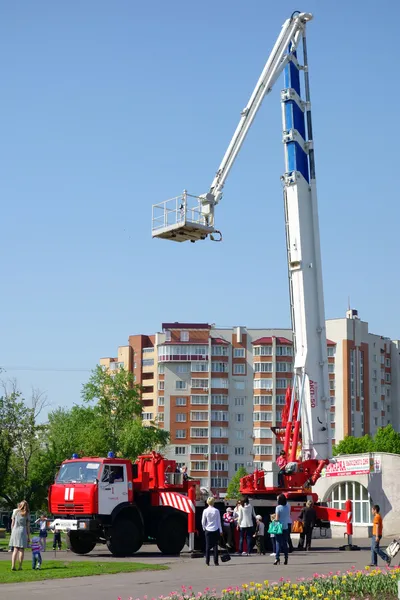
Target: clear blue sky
108	107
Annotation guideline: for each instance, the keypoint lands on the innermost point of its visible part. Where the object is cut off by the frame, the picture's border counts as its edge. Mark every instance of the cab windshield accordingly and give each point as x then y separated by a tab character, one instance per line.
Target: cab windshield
78	472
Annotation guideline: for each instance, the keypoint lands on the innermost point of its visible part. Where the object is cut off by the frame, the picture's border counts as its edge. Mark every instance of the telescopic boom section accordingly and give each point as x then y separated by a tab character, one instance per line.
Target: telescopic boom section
191	218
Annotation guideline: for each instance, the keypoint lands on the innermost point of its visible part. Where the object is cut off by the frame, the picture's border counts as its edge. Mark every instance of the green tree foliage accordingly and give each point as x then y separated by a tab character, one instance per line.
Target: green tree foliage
386	439
109	419
233	490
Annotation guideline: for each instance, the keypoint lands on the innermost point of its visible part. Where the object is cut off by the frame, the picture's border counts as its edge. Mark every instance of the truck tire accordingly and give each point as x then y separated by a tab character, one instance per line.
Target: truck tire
172	535
80	543
125	538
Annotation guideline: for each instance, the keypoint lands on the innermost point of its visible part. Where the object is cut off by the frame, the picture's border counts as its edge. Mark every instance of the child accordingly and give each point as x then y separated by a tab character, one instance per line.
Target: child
57	539
272	536
43	531
259	535
36	556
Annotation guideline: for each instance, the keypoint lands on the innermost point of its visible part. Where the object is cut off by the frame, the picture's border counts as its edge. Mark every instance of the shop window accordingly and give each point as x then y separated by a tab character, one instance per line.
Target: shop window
358	494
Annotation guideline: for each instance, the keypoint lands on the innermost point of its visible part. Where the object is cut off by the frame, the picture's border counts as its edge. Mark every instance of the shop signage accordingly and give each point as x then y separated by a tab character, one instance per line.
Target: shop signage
354	465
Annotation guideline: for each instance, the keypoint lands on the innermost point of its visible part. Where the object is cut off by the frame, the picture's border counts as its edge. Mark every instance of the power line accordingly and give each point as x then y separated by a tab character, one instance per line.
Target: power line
53	369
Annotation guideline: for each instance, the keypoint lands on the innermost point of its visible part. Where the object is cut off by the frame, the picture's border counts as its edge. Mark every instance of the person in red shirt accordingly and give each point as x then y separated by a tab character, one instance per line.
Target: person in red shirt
377	530
281	462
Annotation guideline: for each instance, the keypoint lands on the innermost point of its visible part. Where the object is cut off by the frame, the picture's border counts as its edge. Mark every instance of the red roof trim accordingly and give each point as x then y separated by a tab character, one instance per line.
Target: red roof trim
268	340
330	343
219	341
185	326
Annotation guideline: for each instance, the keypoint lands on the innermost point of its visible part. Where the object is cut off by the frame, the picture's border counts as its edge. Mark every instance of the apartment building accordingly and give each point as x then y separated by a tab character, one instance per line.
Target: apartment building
219	391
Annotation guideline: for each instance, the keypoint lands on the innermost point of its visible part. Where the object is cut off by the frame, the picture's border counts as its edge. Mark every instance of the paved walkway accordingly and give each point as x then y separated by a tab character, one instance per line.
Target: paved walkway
186	571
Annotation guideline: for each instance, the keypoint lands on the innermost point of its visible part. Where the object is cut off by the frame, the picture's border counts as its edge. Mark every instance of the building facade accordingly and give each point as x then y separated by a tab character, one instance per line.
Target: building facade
220	391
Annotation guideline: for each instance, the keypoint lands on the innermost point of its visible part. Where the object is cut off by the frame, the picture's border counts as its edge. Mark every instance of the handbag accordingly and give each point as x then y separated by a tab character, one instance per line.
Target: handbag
275	527
297	527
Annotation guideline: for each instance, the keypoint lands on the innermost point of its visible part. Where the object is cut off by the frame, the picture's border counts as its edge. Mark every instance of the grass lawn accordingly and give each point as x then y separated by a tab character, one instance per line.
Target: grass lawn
61	569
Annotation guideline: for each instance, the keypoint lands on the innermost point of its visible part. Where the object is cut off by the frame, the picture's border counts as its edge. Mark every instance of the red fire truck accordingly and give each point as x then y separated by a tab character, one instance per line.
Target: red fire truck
120	503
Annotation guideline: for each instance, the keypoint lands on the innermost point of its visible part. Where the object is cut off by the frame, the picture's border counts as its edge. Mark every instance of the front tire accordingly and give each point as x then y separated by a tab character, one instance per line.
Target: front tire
80	543
172	534
125	538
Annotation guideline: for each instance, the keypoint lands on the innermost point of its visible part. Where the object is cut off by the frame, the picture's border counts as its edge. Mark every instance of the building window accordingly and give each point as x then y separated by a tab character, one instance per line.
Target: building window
376	421
199	432
240	401
219	415
331	368
332	417
332	384
284	367
180	450
147	416
148	362
161	401
199	367
387	392
239	417
282	383
387	362
263	450
219	350
180	433
161	385
184	336
239	385
199	415
219	482
219	465
263	367
219	399
219	383
199	399
262	416
238	466
238	353
167	336
160	417
263	400
333	400
239	433
375	406
199	465
280	399
199	383
180	401
387	377
219	432
182	369
180	417
284	351
239	450
219	449
263	384
331	350
239	369
180	385
219	367
262	432
161	369
351	490
199	449
262	351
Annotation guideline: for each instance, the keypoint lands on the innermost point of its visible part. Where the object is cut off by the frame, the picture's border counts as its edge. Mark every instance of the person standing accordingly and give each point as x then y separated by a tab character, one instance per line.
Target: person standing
211	523
42	531
281	461
272	535
259	535
36	547
246	526
308	517
20	534
289	531
377	530
229	528
282	513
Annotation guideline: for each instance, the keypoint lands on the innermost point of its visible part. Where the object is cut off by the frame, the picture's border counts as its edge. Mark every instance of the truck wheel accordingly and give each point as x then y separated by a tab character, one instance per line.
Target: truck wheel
80	543
125	538
172	534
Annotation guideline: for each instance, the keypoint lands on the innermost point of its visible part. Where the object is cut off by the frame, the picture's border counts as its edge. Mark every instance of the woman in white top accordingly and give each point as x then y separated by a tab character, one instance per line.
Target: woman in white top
246	519
212	527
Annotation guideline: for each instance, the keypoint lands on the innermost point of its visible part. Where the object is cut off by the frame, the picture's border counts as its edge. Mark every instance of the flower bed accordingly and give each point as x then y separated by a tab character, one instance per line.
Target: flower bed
369	584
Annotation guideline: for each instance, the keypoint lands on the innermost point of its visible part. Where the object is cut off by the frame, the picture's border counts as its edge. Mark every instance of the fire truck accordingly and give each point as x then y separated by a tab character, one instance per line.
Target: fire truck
306	437
123	504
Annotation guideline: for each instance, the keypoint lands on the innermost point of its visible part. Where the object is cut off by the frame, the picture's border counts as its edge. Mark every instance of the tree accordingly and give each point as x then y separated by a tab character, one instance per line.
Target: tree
233	490
21	443
386	439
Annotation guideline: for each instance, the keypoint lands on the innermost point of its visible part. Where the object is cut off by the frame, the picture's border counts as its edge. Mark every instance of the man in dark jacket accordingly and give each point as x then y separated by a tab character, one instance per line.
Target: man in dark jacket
308	516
